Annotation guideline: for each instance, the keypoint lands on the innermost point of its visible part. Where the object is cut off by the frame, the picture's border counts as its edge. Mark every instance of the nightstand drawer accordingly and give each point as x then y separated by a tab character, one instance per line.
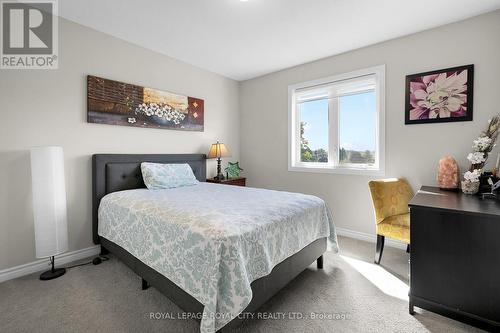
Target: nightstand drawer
231	181
237	182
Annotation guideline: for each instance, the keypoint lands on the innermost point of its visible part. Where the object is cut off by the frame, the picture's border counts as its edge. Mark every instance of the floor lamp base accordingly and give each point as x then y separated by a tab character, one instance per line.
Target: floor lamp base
52	274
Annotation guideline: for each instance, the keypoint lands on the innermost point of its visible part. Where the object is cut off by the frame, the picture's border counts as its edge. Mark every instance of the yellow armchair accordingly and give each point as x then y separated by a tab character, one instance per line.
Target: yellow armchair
392	218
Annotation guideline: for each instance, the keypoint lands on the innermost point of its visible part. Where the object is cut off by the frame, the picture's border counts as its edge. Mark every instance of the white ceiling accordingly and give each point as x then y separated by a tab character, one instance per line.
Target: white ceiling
242	40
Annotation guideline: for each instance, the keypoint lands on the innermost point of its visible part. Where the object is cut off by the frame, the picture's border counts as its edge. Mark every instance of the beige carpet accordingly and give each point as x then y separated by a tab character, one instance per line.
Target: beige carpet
108	298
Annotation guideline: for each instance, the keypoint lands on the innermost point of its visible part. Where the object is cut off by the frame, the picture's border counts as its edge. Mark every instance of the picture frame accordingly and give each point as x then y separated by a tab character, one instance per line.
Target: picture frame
444	95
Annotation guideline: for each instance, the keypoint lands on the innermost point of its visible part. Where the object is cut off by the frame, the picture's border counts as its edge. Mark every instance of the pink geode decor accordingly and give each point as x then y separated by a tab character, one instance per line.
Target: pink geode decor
447	177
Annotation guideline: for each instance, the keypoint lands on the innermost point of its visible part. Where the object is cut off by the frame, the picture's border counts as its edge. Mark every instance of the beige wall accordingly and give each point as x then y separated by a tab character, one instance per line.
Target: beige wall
48	107
411	151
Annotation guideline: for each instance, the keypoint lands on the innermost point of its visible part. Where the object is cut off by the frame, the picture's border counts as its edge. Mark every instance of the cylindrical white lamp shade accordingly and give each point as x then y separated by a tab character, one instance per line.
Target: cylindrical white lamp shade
49	201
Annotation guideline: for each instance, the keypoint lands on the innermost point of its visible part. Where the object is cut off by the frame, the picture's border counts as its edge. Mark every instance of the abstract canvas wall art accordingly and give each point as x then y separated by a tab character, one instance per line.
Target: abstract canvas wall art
440	96
118	103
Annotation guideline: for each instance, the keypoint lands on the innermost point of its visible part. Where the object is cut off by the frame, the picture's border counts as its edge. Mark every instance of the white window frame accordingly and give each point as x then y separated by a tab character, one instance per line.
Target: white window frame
294	163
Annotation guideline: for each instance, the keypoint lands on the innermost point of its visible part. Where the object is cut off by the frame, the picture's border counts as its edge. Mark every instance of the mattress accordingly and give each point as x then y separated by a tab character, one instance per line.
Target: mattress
214	240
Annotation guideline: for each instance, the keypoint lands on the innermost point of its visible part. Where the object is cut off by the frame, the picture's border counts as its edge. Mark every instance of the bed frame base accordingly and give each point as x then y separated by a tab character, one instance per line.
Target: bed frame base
263	289
319	262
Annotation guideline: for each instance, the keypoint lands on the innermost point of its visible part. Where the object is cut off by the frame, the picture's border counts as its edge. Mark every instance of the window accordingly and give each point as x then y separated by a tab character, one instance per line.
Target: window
337	124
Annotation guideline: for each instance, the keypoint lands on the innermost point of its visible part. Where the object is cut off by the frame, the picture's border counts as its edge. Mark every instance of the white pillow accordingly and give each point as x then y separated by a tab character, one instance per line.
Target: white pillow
161	176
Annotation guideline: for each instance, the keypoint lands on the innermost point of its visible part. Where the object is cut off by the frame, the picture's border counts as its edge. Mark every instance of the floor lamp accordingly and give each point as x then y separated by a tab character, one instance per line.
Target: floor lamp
49	206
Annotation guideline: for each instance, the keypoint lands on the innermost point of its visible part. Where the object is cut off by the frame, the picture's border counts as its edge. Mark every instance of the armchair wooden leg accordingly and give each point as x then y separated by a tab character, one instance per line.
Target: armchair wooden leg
380	249
408	248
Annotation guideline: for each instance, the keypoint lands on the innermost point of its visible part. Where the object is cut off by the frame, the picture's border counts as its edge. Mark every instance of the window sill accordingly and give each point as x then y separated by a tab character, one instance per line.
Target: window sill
338	170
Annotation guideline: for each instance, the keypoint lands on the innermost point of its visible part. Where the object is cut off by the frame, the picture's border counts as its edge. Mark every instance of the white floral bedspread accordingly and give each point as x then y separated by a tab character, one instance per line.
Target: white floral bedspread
213	240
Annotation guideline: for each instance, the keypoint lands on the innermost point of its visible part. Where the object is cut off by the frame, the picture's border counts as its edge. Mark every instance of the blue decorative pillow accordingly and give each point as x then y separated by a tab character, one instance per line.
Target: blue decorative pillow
160	176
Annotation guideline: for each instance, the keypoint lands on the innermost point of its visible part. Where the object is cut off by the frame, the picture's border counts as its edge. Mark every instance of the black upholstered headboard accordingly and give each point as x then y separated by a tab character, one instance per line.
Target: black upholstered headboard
118	172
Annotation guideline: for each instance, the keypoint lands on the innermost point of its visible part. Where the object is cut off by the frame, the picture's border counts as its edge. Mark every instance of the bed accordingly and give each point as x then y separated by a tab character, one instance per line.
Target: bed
214	250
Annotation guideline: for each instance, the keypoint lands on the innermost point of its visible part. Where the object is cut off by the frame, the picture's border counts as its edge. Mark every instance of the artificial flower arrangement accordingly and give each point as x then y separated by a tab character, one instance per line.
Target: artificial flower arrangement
159	110
482	147
470	184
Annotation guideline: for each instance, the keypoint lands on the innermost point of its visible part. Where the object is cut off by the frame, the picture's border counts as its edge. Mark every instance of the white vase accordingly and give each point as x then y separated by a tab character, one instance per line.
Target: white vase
469	187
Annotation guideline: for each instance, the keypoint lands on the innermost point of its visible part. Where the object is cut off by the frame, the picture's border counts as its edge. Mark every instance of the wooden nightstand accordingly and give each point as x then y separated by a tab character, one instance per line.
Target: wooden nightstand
241	181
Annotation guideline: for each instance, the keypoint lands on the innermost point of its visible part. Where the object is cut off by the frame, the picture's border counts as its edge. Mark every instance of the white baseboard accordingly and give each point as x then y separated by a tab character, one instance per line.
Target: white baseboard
369	238
62	259
43	264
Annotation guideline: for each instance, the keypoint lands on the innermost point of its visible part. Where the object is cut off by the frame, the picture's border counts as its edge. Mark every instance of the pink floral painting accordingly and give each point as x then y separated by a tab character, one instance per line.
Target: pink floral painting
439	96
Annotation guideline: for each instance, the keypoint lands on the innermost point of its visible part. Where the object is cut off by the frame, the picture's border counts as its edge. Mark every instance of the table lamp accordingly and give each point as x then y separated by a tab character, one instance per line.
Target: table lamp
218	150
49	206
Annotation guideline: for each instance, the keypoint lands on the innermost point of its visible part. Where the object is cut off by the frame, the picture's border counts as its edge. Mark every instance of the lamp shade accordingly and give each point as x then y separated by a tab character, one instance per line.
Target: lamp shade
218	150
49	201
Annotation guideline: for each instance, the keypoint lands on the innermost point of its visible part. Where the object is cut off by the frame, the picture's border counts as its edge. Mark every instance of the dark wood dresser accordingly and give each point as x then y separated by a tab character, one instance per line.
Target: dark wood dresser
240	181
455	256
